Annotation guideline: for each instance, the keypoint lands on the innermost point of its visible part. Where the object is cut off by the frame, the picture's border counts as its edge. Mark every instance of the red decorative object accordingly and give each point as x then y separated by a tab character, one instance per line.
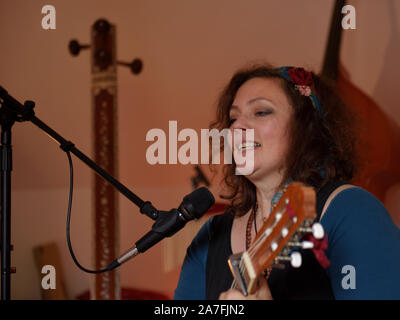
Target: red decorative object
319	249
300	76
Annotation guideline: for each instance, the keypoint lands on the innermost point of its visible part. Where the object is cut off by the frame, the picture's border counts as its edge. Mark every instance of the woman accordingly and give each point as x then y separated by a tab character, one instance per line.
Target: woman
302	132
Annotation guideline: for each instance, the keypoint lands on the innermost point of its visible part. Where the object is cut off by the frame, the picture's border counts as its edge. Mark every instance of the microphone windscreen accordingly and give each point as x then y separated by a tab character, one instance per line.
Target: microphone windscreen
198	202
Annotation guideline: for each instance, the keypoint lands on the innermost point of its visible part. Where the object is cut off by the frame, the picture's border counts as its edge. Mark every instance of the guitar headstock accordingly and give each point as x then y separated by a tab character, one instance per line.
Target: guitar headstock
281	233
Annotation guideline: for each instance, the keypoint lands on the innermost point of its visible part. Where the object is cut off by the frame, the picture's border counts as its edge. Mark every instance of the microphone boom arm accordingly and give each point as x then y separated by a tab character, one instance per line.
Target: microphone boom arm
25	113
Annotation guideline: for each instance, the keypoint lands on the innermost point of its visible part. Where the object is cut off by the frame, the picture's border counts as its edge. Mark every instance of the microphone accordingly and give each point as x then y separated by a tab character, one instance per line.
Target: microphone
193	206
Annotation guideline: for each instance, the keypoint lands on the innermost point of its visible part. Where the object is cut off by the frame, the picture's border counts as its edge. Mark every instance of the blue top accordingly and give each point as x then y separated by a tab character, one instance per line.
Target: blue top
363	248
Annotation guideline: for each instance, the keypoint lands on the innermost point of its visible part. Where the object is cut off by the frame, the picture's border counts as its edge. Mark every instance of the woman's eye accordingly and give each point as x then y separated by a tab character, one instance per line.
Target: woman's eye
263	113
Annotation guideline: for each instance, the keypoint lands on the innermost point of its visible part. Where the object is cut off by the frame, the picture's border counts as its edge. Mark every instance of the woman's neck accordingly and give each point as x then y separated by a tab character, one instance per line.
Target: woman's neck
265	191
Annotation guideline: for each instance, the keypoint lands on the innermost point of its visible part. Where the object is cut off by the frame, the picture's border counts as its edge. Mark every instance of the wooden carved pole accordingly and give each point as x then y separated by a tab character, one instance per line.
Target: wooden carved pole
104	110
105	206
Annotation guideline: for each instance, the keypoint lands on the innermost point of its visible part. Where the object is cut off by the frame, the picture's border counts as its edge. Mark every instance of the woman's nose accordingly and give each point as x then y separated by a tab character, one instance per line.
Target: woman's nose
241	122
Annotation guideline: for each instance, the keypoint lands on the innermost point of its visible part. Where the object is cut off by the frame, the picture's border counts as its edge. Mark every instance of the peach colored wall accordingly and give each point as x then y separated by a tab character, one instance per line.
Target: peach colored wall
189	49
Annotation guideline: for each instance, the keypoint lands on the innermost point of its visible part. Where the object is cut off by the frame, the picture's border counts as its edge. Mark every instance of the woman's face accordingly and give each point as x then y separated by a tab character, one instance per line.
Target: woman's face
261	104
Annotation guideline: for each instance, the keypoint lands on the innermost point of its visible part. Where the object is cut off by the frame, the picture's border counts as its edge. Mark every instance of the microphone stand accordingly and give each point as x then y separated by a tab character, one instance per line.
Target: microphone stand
11	111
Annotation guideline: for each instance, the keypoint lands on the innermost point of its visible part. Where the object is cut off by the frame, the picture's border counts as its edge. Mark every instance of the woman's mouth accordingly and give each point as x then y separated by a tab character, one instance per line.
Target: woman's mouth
248	146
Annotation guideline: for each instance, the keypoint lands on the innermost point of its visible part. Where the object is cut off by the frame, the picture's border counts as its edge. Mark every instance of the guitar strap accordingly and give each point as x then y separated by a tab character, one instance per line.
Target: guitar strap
310	281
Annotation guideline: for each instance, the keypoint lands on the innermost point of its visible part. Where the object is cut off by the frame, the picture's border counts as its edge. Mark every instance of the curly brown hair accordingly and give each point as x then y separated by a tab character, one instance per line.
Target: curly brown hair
321	145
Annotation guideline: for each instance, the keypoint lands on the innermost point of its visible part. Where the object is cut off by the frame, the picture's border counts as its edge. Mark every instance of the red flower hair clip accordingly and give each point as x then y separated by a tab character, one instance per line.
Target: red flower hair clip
303	82
300	76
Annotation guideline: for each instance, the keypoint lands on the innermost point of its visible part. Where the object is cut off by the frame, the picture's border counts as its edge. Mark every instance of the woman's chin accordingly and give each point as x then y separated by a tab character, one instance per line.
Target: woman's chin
247	170
245	165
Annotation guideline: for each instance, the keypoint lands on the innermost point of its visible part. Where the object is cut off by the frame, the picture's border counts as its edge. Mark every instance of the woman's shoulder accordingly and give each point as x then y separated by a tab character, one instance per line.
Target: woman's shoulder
351	197
362	234
351	205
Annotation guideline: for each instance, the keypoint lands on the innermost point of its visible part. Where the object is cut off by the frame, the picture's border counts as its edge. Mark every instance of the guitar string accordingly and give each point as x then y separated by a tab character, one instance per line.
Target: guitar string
251	252
259	241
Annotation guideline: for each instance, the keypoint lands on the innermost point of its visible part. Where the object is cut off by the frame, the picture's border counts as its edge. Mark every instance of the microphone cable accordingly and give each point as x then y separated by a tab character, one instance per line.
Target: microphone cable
71	187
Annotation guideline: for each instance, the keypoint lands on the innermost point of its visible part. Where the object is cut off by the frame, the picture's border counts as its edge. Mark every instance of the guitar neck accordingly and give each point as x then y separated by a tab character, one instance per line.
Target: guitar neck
280	234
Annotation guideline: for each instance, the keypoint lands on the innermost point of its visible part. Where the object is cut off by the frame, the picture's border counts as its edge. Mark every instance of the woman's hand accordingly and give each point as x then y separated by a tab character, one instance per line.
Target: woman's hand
262	293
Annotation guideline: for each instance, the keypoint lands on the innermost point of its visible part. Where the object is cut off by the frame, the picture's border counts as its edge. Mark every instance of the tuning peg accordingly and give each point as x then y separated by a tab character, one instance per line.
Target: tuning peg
74	47
294	259
136	65
316	229
302	245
